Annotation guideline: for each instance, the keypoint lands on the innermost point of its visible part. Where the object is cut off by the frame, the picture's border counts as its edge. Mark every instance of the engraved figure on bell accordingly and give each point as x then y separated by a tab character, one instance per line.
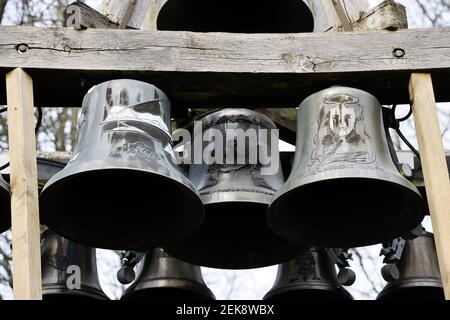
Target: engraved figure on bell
341	136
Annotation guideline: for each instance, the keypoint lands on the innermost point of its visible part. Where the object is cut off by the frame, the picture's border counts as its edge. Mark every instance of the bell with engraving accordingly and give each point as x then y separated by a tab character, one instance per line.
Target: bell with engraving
237	180
250	16
69	270
344	189
122	188
418	277
311	276
163	277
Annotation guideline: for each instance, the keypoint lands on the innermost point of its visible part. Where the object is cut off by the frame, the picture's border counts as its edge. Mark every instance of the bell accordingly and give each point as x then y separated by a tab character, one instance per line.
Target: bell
344	189
418	277
64	263
162	277
312	276
236	191
5	206
118	190
250	16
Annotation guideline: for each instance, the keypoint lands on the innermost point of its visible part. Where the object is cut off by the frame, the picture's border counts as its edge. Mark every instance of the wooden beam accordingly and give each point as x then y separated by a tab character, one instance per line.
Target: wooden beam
434	165
24	187
216	69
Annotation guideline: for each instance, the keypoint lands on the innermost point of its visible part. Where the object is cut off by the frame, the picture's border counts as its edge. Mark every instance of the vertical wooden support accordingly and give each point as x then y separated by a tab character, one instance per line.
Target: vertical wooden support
434	167
24	187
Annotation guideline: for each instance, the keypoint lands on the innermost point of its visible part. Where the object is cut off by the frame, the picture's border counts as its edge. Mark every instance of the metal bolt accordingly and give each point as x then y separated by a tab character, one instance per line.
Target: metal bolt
399	53
22	48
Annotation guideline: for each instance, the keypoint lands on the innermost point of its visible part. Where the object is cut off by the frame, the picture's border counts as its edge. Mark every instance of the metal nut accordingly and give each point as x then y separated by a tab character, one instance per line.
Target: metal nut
399	53
22	48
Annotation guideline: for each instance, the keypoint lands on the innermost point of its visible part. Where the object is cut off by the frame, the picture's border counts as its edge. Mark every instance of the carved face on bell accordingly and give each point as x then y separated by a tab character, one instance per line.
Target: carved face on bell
342	120
343	116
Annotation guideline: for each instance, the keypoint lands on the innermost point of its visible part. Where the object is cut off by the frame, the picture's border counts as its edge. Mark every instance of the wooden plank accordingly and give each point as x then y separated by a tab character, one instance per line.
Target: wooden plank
434	165
24	187
204	70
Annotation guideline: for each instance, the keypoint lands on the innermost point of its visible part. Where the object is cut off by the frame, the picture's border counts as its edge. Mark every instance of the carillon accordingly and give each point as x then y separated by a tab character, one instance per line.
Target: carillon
162	277
63	264
118	190
344	189
235	234
412	270
250	16
311	276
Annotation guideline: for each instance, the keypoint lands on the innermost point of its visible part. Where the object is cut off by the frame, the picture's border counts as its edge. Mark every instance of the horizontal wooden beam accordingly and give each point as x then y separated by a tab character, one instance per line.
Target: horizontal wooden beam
219	70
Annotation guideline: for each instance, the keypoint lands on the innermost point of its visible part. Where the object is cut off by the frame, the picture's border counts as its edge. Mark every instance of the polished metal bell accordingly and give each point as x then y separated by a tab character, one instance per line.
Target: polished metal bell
236	194
5	206
344	189
162	277
122	188
419	277
250	16
312	276
69	270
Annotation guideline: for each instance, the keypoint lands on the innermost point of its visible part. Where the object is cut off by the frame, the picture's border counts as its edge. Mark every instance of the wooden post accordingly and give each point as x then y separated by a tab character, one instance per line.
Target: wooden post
434	166
24	187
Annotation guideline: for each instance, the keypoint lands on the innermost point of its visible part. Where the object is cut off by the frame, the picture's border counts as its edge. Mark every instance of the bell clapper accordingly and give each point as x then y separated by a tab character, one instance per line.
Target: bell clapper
126	273
392	251
340	257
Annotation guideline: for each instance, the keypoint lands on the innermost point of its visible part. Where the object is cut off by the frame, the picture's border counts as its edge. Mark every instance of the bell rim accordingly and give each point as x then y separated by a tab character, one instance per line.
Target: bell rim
338	290
409	283
71	173
174	284
5	207
207	248
307	15
274	213
85	291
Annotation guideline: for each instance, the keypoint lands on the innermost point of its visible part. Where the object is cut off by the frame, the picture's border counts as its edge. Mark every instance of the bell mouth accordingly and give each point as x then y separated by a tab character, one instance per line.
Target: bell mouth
62	293
346	212
168	290
5	206
308	291
413	289
235	236
236	16
119	209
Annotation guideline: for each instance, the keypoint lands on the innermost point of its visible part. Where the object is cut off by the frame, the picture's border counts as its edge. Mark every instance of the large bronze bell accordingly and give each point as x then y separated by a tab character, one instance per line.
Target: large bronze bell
344	189
249	16
162	277
312	276
122	188
5	205
235	234
418	277
62	262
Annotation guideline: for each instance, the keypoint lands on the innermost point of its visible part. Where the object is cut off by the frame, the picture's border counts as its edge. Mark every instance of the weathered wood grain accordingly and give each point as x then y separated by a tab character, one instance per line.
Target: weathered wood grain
214	69
24	187
434	166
